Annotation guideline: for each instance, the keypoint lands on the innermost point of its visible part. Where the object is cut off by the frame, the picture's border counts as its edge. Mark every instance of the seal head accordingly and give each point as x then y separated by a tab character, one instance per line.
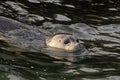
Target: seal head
63	41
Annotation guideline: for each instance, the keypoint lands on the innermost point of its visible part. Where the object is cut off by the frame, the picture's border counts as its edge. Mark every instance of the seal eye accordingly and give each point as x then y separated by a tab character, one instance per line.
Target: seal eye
67	41
59	40
77	40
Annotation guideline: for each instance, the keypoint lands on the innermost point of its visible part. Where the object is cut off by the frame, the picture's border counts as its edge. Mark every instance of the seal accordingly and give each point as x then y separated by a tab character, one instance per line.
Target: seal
28	36
35	39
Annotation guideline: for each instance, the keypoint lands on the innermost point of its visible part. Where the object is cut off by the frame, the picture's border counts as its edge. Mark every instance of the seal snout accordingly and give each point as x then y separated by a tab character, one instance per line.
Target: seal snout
73	46
78	46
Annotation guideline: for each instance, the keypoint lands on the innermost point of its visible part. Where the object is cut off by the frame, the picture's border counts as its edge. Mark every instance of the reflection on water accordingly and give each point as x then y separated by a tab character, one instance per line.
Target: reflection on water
97	25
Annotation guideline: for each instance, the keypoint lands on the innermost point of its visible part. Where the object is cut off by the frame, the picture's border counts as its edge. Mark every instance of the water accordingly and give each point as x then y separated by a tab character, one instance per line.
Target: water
97	26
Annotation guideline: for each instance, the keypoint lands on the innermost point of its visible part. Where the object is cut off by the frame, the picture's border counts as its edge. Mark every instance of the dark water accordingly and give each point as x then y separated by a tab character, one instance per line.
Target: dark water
96	24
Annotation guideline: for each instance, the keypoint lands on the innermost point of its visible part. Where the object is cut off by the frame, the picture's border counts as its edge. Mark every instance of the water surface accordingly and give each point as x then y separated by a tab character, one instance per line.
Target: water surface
97	25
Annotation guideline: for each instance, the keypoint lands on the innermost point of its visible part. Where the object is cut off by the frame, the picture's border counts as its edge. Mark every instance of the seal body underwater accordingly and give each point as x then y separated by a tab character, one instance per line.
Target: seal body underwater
33	38
20	34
